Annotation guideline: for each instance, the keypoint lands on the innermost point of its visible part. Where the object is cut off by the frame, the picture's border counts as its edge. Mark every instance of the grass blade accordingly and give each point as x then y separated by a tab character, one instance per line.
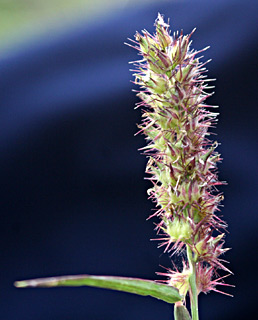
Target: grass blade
132	285
181	313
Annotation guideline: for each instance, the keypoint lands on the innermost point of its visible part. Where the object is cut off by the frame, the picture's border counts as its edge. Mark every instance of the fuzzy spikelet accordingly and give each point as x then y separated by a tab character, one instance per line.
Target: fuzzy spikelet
181	157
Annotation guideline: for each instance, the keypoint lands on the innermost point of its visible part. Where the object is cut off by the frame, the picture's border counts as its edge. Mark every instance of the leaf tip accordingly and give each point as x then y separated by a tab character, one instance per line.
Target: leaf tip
20	284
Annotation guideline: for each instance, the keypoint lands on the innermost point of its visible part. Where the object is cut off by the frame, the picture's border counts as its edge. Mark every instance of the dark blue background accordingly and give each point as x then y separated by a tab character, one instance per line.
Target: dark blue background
73	198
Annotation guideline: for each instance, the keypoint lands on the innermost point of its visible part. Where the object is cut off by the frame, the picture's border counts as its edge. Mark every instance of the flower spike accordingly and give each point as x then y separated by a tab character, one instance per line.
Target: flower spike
182	160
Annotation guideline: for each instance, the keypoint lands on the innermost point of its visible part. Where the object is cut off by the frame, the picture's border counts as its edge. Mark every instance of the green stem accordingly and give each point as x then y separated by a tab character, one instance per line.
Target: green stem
193	288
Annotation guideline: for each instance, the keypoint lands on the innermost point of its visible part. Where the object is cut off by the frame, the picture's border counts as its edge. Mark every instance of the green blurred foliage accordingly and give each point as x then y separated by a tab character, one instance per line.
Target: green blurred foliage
20	19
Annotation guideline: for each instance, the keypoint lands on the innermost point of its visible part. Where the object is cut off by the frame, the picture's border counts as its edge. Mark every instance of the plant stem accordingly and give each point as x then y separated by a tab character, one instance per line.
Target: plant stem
193	289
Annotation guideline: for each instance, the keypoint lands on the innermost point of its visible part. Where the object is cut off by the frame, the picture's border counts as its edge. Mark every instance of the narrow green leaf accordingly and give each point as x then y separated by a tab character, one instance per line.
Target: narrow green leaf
181	313
132	285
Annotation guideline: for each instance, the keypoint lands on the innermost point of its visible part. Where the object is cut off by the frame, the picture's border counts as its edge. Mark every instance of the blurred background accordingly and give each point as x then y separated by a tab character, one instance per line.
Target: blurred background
73	199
